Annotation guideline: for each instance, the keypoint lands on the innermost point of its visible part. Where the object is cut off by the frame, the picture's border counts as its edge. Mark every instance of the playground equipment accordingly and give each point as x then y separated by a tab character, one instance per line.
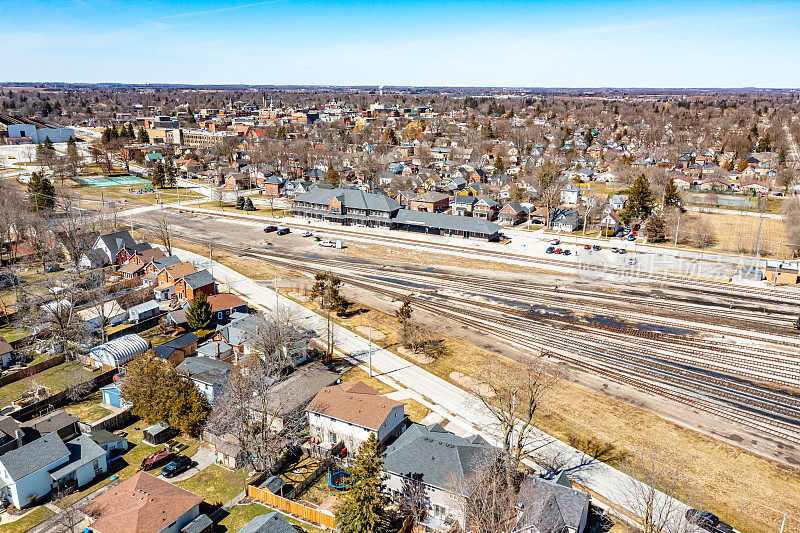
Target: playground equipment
339	479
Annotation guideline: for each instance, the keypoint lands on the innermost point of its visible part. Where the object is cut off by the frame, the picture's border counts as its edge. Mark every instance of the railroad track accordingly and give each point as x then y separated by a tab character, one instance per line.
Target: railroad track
741	401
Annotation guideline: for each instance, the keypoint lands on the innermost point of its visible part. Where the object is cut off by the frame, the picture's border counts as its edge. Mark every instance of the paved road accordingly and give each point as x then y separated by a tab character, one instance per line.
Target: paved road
460	406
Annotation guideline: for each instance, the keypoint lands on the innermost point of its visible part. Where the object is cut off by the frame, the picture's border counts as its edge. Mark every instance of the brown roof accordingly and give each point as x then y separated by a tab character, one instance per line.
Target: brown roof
141	504
353	403
151	254
181	269
5	347
130	268
224	301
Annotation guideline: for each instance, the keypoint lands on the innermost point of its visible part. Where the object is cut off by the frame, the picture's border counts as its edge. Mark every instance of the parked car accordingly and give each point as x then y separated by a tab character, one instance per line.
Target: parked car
631	260
622	251
566	252
327	244
631	237
550	250
181	463
587	246
306	234
555	242
283	231
270	229
614	249
558	251
596	248
704	519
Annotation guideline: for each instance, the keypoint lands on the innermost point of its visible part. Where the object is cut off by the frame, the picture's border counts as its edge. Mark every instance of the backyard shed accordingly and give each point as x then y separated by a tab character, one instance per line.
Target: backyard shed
157	434
143	311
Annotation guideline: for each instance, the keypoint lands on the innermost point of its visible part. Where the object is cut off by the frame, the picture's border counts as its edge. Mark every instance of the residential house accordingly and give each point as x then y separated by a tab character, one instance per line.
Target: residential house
485	208
348	413
177	349
187	287
564	220
237	181
110	245
225	304
216	350
227	451
463	205
167	278
570	194
610	222
208	375
112	444
33	470
431	201
405	196
551	505
513	213
6	353
618	202
443	464
142	504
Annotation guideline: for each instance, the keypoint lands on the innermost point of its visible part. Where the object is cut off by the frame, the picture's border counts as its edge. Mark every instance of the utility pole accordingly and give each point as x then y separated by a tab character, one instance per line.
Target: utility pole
760	225
677	228
210	258
277	299
370	346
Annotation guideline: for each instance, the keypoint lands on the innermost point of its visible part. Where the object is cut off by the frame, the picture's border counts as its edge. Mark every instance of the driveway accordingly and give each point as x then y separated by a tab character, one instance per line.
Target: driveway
203	458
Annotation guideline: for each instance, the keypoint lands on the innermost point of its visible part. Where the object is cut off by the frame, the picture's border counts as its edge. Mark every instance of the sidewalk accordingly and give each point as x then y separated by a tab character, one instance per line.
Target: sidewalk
447	400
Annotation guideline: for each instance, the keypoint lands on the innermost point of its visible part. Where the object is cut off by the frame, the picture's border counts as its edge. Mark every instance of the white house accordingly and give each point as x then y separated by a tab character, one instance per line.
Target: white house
349	413
440	461
209	375
570	194
33	470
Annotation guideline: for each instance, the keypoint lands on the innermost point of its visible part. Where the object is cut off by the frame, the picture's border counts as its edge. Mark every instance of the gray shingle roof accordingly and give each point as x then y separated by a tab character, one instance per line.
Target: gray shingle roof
351	199
438	455
446	222
205	369
550	505
34	456
82	450
166	349
198	525
198	279
268	523
164	262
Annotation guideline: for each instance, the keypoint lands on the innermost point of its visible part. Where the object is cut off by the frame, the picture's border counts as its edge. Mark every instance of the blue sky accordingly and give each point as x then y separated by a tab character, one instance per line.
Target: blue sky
666	43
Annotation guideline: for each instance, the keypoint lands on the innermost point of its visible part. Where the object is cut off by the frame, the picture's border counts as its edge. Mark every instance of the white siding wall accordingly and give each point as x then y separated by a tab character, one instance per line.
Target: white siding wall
441	503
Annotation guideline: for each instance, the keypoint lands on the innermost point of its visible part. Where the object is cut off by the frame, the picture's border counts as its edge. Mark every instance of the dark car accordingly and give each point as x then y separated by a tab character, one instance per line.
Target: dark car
180	464
283	231
566	252
550	250
269	229
703	519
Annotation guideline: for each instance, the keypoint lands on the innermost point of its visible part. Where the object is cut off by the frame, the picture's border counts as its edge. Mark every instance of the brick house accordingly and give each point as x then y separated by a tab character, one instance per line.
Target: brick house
485	208
189	285
431	201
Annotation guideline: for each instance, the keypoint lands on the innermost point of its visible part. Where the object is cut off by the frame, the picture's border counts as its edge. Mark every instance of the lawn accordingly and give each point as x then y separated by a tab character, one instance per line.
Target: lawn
241	515
12	333
128	464
260	210
30	520
356	374
89	409
415	411
318	491
55	378
216	484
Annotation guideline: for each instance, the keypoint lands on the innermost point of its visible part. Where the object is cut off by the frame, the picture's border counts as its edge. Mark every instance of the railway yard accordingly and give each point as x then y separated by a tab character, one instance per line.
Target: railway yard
714	355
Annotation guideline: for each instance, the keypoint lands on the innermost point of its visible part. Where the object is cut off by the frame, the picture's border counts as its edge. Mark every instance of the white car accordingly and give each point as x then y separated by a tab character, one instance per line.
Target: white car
554	242
327	244
306	234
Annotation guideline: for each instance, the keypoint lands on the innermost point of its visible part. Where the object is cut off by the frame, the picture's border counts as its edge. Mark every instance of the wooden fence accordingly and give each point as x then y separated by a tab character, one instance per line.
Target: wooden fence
62	398
11	377
306	513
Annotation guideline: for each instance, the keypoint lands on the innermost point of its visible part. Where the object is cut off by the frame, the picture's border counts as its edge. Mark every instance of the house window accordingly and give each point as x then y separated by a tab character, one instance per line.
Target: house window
331	436
219	315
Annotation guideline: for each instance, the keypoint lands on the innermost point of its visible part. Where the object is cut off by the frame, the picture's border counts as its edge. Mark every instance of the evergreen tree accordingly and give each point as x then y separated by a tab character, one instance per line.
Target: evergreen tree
42	192
640	202
144	137
248	204
130	133
199	314
671	198
363	509
240	203
158	175
169	173
499	165
654	228
105	138
48	144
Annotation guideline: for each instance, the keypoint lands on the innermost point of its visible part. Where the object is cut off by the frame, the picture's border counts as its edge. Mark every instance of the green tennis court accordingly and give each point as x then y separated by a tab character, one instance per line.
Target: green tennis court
110	181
